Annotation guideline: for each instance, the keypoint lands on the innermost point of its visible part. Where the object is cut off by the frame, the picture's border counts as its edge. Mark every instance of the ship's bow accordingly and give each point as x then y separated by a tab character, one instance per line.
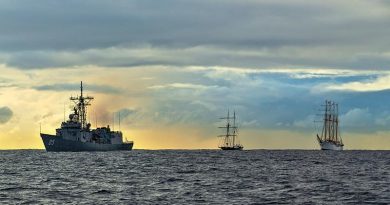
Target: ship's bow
49	141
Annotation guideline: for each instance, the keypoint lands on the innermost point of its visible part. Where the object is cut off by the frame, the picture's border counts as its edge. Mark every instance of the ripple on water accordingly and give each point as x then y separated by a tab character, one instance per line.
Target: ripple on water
195	177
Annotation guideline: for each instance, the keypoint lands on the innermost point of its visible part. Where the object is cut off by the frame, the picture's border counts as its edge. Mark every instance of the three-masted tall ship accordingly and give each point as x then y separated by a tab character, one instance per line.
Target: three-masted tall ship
76	134
229	140
330	138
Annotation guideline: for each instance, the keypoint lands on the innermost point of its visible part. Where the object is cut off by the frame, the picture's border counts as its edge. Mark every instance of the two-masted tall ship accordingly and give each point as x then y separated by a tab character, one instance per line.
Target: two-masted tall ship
229	140
76	134
330	138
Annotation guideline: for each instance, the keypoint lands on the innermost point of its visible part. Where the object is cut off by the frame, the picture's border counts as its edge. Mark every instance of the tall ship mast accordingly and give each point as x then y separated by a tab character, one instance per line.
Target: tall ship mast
229	139
330	138
76	134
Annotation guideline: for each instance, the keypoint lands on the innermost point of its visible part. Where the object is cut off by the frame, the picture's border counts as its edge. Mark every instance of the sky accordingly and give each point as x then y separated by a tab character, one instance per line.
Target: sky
171	68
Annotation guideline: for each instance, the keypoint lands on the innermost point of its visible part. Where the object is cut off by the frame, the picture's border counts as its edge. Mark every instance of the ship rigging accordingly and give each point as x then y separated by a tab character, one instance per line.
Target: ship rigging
330	138
229	139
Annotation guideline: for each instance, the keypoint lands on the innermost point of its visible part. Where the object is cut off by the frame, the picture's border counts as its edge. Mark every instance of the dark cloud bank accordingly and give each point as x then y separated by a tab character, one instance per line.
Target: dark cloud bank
174	32
75	87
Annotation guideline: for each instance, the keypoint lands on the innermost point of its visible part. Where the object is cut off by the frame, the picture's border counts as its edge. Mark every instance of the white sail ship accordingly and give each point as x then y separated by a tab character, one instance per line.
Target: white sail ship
229	139
330	138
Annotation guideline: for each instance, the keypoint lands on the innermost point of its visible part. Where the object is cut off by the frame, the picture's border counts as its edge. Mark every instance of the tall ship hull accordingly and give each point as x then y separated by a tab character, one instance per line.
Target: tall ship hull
231	148
55	143
329	145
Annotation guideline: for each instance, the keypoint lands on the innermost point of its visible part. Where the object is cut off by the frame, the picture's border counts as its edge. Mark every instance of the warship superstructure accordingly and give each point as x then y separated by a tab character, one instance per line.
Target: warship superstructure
229	140
76	134
330	138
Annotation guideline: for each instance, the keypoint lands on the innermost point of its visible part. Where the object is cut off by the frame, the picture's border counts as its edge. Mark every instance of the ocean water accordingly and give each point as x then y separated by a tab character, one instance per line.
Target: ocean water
195	177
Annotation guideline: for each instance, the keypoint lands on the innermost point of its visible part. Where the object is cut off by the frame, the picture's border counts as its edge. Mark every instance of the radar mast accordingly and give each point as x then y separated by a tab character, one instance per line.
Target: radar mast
81	103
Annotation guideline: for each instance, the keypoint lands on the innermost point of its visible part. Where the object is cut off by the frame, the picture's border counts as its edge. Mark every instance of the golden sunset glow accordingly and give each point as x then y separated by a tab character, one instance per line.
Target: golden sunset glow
115	89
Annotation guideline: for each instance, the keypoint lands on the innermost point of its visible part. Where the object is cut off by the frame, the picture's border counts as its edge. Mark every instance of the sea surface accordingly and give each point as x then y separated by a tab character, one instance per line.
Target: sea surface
195	177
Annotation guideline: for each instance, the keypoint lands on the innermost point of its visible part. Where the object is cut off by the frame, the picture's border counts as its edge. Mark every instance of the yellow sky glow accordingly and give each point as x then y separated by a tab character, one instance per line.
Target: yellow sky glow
33	107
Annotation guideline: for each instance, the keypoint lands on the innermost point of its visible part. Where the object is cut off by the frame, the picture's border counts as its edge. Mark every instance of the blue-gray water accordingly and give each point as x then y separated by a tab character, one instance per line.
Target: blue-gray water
195	177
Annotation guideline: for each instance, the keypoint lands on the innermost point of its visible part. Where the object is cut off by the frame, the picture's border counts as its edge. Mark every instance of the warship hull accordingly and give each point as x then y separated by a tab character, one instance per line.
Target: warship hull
55	143
330	146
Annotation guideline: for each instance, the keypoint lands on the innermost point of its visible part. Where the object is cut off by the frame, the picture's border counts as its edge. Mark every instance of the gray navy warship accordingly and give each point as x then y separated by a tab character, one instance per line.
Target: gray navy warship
76	134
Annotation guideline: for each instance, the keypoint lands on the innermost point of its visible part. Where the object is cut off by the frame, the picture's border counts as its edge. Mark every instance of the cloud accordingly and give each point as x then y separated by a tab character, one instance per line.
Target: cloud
183	86
126	112
132	117
5	114
357	118
308	122
299	73
368	85
271	98
251	34
259	99
74	87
